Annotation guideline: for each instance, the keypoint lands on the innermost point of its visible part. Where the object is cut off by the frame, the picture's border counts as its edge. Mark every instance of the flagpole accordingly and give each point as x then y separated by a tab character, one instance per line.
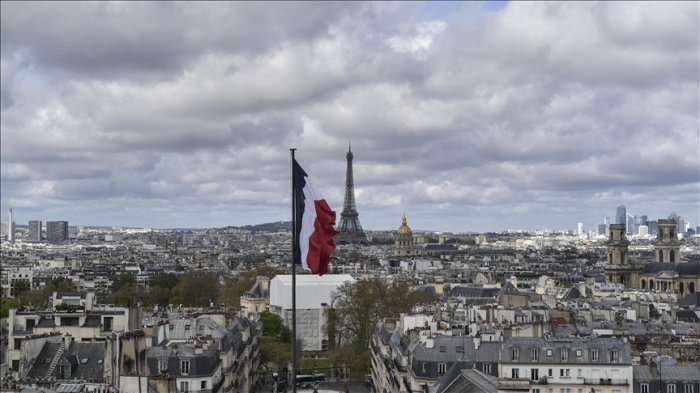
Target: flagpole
294	278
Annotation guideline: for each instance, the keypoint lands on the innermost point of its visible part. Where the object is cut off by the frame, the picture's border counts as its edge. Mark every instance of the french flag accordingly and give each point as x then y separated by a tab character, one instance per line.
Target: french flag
314	221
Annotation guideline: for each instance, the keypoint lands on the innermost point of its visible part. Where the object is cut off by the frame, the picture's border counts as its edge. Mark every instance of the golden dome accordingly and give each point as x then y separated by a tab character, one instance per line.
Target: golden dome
404	229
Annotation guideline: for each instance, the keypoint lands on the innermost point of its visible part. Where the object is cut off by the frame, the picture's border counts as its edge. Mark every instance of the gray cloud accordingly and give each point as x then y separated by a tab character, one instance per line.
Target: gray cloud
182	114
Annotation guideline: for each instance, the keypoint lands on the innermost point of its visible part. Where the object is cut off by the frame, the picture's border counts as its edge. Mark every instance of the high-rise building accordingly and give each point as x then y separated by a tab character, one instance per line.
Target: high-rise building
350	230
11	235
653	227
621	215
602	230
57	231
607	226
34	234
630	224
580	228
643	230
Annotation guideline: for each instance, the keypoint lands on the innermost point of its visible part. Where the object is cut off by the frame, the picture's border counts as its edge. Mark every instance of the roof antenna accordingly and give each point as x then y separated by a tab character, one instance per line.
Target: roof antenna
349	146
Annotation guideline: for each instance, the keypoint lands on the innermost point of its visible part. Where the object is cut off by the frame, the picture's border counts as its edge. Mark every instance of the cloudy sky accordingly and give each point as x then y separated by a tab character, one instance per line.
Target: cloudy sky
467	116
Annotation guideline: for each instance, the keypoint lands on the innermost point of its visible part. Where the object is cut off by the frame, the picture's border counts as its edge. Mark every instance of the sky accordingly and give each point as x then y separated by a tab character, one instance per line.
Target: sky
466	116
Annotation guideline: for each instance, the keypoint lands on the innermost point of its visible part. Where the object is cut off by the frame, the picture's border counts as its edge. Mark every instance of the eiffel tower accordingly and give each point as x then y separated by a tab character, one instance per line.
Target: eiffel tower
350	230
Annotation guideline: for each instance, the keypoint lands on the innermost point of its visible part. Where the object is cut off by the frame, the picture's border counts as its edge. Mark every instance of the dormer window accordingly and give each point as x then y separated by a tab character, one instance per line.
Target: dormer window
534	355
614	355
515	354
564	355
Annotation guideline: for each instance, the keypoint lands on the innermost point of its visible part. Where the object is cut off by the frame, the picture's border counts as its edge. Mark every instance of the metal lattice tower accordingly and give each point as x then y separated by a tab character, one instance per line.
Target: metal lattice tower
350	229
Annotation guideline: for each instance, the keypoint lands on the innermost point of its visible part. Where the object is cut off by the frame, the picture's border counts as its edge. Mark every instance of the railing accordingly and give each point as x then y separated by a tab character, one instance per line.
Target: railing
399	366
514	384
602	381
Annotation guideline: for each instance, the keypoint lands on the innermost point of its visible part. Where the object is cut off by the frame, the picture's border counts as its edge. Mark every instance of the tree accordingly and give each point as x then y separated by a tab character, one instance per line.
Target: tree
121	280
20	287
41	296
358	306
6	304
198	289
160	295
273	326
234	291
168	281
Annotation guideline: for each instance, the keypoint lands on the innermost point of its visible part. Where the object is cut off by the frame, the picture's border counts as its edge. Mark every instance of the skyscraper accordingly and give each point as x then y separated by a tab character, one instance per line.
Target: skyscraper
630	223
350	229
11	234
621	215
580	228
34	234
57	231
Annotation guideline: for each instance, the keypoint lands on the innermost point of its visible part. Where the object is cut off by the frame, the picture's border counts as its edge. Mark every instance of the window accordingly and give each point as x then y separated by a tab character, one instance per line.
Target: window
564	355
458	349
580	373
515	354
549	352
85	360
535	391
671	388
550	372
442	367
644	388
443	349
424	364
594	355
486	368
47	360
564	372
688	388
614	356
163	366
579	353
534	355
515	373
99	361
184	367
534	374
204	385
184	386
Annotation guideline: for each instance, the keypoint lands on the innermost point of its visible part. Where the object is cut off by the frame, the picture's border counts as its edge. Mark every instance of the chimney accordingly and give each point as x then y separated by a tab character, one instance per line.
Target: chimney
67	339
430	342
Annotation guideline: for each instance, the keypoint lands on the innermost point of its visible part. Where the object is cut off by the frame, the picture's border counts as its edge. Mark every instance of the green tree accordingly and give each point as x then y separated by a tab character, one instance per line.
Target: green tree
40	297
121	280
168	281
234	291
6	304
160	295
358	306
198	289
20	287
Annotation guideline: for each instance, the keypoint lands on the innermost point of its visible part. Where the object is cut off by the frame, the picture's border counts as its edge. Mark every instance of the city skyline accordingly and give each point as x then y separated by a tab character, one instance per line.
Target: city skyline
467	116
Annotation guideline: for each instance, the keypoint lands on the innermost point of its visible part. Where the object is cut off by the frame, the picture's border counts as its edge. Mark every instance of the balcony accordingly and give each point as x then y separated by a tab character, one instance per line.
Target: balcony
514	384
399	366
602	381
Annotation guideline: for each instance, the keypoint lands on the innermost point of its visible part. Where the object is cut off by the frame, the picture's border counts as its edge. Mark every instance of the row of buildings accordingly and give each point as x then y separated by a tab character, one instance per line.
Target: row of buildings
79	344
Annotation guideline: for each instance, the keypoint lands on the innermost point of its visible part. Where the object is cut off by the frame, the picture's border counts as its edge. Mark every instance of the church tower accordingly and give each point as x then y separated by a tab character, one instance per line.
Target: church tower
666	246
618	269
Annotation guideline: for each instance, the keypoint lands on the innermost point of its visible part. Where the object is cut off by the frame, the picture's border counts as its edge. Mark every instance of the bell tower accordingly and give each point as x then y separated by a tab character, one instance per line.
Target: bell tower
666	246
618	269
